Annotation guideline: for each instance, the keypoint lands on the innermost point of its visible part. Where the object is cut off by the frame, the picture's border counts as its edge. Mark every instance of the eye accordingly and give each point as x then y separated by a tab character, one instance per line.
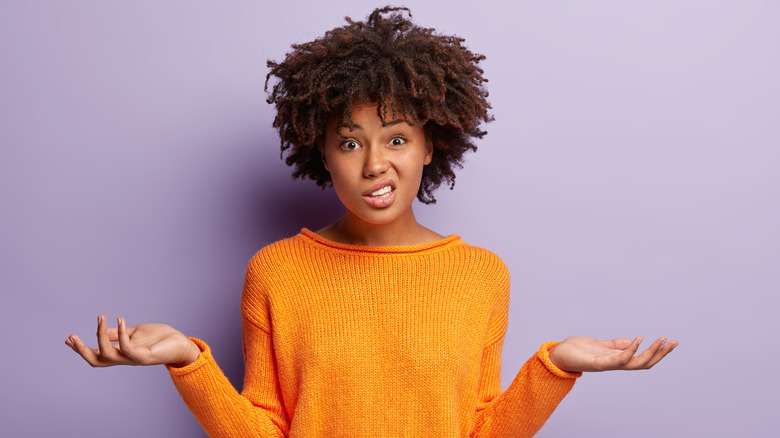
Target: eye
350	145
397	141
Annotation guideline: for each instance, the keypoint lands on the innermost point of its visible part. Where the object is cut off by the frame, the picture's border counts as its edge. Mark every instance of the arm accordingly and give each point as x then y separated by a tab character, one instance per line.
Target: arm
541	384
546	378
223	412
533	395
220	409
527	403
258	411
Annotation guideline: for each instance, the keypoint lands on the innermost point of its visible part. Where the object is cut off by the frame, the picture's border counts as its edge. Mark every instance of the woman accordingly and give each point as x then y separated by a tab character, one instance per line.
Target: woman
374	325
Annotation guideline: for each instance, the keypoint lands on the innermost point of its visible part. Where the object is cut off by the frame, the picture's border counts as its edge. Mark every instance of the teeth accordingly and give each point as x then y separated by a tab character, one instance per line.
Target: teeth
383	191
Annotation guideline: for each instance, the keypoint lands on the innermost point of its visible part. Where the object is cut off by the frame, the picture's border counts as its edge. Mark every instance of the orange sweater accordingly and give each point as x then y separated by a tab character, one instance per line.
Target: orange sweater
356	341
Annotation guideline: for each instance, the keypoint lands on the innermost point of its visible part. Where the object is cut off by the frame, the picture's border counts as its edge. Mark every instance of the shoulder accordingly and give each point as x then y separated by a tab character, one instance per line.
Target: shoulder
476	266
275	265
485	259
482	270
275	257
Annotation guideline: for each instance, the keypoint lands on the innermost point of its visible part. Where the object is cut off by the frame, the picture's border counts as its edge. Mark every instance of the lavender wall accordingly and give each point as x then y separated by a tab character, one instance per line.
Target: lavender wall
630	182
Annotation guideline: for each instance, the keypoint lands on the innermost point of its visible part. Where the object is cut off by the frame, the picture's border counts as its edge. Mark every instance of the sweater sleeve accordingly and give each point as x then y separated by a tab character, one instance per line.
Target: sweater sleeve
531	398
258	411
223	412
533	395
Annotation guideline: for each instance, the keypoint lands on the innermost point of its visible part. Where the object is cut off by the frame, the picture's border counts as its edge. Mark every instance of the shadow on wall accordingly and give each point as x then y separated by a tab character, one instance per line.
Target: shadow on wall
286	206
266	205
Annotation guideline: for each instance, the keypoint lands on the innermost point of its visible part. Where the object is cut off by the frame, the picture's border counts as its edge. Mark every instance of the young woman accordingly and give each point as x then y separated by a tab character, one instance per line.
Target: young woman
374	325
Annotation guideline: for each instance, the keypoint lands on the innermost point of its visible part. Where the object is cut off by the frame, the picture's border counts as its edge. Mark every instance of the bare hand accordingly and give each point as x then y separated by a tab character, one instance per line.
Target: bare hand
580	353
144	344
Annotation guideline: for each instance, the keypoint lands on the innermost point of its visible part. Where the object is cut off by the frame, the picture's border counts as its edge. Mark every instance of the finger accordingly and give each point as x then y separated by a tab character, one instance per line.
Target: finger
71	343
90	355
617	344
105	348
113	334
628	353
641	359
659	354
649	357
127	347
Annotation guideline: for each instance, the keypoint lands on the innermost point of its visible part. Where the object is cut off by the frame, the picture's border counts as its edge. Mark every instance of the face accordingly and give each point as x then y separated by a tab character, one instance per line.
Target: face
376	170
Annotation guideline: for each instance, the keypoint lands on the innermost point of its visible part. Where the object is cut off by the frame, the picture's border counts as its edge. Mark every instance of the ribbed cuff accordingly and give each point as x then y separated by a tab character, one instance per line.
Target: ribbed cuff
544	355
203	358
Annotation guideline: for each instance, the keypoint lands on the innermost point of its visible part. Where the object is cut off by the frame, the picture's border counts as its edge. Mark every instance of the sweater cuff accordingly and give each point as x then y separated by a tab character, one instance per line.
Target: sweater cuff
544	355
203	358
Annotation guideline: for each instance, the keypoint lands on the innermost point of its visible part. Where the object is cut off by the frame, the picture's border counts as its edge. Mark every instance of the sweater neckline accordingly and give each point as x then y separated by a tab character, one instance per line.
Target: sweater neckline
450	240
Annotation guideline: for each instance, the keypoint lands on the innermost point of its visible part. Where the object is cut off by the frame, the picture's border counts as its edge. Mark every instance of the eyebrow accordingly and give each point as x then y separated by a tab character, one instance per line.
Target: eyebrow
356	126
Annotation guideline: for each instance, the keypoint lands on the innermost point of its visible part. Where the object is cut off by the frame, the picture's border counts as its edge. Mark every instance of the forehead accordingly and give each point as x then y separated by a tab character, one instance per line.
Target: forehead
363	114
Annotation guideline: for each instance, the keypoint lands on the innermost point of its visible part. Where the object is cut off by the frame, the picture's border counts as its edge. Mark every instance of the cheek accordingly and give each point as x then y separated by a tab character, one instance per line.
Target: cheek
341	172
333	163
413	173
419	161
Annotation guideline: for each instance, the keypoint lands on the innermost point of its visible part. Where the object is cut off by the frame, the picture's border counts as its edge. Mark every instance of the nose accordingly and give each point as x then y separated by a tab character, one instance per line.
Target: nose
375	163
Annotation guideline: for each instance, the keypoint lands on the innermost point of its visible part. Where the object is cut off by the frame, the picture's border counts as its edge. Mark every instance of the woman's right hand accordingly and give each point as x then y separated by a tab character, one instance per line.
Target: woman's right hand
144	344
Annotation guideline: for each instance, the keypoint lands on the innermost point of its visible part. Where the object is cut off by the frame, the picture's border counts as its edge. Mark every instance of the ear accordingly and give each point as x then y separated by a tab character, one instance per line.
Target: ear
428	152
322	155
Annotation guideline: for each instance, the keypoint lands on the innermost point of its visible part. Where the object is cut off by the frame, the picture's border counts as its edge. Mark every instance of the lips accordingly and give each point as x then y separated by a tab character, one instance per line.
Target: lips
383	191
381	194
382	187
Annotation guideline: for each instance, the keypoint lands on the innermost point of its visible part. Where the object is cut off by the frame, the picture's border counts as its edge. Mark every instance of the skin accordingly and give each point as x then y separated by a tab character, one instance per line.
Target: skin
358	159
366	155
144	344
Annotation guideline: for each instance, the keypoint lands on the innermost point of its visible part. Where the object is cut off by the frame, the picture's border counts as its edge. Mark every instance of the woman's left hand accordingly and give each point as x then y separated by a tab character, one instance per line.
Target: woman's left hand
580	353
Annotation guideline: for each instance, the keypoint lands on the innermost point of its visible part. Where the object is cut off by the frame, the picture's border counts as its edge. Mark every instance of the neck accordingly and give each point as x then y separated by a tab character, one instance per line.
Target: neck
403	232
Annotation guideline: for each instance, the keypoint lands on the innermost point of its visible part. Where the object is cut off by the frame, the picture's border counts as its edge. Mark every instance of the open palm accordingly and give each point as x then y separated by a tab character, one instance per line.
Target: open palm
580	353
143	344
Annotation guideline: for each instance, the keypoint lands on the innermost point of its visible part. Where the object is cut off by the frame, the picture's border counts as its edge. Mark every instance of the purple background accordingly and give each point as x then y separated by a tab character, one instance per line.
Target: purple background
630	181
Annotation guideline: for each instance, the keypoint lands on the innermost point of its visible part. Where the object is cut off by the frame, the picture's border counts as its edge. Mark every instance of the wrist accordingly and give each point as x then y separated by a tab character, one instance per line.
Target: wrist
555	368
553	356
558	360
190	355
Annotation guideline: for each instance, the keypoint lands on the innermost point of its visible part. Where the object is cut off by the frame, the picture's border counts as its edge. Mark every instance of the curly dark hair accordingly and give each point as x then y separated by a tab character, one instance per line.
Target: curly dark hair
433	80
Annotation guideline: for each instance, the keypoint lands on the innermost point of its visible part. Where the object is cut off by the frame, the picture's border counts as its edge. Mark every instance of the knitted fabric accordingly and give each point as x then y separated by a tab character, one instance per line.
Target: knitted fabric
356	341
